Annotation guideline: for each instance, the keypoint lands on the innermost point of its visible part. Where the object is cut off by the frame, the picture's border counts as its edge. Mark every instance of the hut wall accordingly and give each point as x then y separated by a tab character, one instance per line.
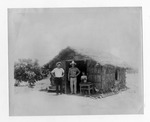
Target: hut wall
122	78
108	78
94	74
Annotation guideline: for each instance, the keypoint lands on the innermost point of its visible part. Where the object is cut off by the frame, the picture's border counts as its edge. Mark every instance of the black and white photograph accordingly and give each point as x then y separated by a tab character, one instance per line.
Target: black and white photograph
75	61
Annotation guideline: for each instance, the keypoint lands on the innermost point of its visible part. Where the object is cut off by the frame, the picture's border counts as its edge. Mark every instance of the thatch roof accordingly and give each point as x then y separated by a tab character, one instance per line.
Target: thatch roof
102	58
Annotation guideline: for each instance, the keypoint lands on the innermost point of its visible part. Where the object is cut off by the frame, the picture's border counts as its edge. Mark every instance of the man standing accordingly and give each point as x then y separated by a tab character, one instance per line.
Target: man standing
72	76
58	74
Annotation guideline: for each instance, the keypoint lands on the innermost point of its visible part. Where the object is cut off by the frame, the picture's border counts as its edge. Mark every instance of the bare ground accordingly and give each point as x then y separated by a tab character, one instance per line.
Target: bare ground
32	101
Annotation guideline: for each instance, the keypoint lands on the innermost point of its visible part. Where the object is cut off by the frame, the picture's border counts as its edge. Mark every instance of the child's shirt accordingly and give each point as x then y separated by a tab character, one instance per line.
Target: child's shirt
83	78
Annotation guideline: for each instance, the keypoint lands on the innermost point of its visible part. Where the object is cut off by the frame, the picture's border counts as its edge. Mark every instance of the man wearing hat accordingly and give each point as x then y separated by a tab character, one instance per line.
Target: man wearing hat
72	76
58	74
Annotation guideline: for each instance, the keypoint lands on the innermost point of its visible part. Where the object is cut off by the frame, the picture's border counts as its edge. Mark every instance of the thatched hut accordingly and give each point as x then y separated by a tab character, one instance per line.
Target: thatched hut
102	69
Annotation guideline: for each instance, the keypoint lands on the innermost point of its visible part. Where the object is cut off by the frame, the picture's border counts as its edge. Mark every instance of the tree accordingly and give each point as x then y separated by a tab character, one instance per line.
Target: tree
27	70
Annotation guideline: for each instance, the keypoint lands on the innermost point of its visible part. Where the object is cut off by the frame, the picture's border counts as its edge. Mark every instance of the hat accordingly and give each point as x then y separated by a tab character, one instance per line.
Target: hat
72	63
58	63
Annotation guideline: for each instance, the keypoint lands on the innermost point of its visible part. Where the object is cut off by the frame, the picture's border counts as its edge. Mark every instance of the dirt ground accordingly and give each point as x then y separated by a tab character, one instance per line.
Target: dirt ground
33	102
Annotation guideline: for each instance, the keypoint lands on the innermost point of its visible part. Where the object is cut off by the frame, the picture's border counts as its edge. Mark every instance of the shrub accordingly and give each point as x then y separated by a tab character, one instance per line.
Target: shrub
27	70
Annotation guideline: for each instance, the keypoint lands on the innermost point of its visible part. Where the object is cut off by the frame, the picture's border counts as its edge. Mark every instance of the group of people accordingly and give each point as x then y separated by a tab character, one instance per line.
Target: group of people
58	74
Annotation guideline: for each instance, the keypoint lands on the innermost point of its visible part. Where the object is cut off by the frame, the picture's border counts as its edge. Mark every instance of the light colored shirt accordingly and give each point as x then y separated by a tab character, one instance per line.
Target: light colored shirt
59	72
84	78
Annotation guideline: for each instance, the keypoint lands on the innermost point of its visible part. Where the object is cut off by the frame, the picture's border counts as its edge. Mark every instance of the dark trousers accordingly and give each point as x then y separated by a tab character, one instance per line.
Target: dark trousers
58	82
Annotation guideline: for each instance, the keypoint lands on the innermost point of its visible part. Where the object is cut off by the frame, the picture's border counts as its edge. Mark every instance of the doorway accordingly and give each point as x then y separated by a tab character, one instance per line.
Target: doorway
117	74
82	66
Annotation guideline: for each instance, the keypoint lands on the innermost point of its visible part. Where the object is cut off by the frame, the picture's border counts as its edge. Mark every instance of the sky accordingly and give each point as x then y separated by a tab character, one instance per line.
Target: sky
42	33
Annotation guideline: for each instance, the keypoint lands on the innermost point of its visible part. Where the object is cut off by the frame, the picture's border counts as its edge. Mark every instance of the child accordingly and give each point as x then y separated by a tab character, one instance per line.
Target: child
83	78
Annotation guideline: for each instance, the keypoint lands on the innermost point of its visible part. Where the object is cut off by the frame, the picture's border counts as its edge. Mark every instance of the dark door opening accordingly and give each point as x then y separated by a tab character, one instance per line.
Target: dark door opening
117	75
81	65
